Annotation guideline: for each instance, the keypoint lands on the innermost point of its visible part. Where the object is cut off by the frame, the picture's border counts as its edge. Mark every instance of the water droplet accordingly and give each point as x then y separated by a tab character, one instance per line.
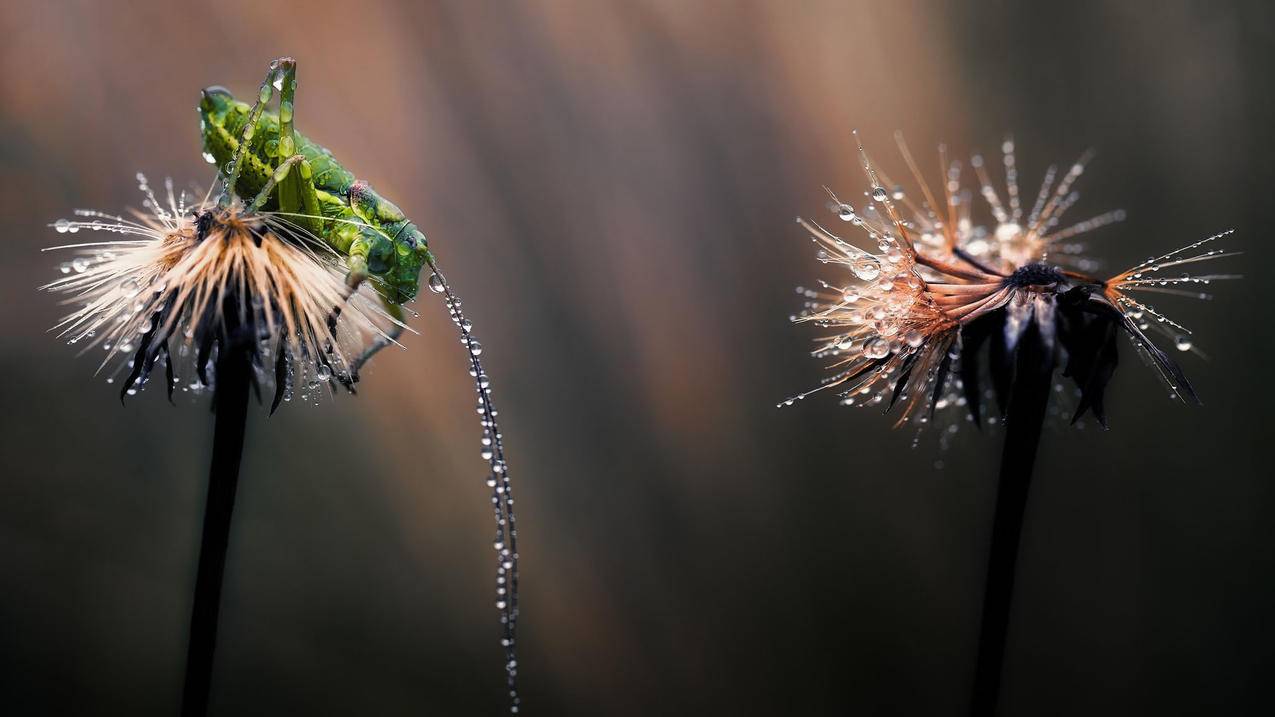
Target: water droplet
80	264
323	372
476	347
1183	343
62	225
876	348
846	212
436	284
209	158
878	194
866	269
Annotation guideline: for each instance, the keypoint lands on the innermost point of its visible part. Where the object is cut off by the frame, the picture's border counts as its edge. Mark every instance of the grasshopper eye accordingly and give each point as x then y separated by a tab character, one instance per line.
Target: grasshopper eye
215	99
410	237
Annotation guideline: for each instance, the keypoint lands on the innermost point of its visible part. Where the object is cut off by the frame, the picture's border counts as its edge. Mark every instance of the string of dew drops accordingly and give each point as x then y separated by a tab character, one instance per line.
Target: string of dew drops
502	499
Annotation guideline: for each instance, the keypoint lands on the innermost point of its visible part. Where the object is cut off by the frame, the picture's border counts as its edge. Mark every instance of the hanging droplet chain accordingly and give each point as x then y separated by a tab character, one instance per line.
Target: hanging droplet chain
502	499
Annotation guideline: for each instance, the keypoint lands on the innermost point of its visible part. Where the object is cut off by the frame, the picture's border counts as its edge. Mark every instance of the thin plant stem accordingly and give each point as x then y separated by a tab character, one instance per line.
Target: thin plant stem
230	402
1025	415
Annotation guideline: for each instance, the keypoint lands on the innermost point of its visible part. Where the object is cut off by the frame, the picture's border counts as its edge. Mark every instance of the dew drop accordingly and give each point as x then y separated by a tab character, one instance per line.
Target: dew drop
866	269
1183	343
436	284
876	348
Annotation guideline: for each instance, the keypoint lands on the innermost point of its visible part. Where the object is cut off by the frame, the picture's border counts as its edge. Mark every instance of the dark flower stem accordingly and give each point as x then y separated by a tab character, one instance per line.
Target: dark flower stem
230	402
1024	417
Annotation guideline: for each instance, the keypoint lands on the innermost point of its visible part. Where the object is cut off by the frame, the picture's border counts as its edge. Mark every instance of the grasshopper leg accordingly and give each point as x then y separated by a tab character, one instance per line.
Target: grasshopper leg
391	336
280	173
358	274
283	68
292	180
357	264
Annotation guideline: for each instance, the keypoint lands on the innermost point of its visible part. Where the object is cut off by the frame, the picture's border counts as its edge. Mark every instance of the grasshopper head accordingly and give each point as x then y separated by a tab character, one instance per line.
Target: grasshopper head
214	103
399	260
217	108
411	254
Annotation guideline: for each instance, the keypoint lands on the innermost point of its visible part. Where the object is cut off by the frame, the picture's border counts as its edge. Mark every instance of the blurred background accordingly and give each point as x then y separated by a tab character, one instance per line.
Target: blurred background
611	188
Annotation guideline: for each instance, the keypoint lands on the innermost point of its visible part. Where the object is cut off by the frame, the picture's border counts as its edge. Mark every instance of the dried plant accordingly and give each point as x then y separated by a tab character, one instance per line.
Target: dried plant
943	303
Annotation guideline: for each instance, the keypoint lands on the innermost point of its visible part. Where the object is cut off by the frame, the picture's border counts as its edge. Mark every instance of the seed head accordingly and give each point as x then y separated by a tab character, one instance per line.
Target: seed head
187	280
907	316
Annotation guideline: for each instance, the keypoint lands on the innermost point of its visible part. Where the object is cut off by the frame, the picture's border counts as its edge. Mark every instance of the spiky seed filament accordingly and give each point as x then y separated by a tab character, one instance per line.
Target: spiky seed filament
162	294
900	317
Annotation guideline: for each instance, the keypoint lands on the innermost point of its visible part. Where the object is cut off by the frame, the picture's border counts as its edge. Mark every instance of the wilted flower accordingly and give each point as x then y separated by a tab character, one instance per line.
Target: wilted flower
913	312
187	281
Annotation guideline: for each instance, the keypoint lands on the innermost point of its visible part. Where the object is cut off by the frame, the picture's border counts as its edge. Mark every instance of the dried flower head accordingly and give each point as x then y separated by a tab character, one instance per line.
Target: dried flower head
909	318
188	280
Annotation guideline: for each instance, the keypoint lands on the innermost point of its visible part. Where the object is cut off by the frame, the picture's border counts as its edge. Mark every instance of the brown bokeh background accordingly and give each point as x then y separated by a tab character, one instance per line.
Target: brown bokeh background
611	186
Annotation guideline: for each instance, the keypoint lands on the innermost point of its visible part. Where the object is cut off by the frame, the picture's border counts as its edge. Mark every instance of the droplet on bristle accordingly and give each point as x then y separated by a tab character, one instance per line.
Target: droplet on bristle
866	269
876	348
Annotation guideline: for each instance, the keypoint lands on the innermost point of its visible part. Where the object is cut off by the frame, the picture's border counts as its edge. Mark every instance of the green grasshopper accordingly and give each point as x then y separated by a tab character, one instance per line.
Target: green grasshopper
259	154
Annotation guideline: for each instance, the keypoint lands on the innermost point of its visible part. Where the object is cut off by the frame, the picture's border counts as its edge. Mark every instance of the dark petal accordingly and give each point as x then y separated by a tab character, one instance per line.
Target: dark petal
900	384
143	358
864	371
973	336
206	337
168	370
280	378
940	380
1167	366
1092	364
1001	362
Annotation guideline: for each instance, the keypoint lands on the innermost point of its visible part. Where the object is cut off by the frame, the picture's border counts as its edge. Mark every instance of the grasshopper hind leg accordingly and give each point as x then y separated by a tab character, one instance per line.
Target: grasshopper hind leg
395	330
358	274
283	70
